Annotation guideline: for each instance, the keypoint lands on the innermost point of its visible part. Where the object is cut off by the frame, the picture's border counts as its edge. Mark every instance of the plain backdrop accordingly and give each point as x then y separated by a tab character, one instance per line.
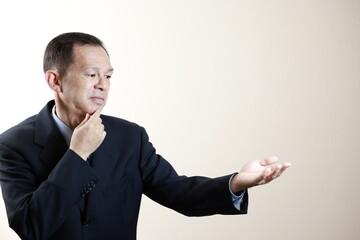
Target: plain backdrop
218	83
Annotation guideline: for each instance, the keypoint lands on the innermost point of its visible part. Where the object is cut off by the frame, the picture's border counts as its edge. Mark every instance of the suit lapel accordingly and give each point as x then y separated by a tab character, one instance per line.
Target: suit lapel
103	160
48	136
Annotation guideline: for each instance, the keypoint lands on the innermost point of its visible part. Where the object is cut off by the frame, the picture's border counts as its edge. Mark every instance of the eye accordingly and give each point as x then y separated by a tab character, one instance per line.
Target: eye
107	76
92	75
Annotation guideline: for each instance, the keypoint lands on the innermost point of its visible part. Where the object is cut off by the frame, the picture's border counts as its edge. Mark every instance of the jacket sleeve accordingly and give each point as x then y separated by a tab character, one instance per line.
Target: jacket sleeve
37	209
191	196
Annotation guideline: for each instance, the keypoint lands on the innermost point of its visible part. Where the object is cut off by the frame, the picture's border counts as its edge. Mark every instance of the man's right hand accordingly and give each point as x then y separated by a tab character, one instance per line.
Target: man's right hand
88	135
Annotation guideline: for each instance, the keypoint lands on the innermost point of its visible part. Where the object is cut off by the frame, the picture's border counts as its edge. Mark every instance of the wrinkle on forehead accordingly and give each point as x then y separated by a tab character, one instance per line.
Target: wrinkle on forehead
99	68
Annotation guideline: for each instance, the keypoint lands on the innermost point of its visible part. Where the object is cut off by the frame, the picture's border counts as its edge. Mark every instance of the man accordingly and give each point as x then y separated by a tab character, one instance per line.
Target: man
70	173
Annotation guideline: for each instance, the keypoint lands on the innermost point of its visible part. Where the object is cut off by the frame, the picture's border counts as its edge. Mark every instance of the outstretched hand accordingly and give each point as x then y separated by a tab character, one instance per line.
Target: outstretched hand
258	172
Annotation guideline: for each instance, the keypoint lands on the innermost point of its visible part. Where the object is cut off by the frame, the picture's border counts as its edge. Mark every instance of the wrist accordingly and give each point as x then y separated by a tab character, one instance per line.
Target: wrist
84	156
235	186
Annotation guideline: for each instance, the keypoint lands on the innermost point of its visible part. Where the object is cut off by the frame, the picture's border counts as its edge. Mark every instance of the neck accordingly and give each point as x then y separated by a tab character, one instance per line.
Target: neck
69	119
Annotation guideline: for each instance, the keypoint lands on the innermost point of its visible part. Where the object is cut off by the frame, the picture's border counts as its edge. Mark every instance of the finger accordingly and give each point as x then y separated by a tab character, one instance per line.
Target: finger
267	172
264	177
97	112
87	117
283	168
287	164
95	116
268	161
272	173
100	127
277	171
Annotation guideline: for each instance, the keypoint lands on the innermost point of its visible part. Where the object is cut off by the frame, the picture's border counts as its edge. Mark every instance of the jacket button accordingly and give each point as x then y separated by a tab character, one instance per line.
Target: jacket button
86	222
92	184
82	193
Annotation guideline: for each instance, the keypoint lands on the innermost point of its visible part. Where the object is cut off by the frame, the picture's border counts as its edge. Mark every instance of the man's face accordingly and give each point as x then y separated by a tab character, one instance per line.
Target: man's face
86	83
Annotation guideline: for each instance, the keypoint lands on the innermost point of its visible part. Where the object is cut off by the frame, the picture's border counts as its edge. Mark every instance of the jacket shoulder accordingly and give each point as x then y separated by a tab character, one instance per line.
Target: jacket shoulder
119	124
19	132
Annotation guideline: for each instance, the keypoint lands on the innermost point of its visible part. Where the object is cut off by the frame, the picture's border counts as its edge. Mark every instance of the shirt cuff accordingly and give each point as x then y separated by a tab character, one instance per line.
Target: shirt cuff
236	199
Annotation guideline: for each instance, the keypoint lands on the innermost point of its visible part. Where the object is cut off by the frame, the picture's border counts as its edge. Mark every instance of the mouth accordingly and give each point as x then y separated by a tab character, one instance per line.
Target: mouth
98	100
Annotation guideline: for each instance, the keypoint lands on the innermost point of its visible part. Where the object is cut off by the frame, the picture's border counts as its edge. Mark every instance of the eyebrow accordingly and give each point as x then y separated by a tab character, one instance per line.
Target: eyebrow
98	68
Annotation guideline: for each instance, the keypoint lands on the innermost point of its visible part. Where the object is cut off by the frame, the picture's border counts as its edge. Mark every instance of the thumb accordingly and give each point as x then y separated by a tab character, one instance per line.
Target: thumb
268	161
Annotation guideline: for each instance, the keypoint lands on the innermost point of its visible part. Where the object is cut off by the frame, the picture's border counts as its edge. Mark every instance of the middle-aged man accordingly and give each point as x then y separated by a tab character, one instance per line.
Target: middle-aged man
70	173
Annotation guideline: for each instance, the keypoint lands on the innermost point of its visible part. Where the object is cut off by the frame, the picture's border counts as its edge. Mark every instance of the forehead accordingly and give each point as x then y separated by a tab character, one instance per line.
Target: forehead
91	56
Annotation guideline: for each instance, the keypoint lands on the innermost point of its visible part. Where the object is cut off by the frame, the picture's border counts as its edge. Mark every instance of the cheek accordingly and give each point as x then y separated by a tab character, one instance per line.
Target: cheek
86	89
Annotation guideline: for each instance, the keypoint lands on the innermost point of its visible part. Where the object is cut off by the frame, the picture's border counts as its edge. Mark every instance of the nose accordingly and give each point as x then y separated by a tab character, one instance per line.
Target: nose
102	84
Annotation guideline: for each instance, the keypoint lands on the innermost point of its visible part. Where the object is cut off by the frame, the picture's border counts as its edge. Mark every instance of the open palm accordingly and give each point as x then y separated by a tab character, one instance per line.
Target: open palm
258	172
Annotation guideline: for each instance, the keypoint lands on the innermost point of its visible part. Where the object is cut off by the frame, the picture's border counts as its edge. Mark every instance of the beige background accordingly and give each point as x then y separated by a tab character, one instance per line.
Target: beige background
217	84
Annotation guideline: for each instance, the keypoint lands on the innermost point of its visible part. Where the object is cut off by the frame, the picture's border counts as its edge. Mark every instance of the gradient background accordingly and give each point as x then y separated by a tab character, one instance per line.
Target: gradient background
217	84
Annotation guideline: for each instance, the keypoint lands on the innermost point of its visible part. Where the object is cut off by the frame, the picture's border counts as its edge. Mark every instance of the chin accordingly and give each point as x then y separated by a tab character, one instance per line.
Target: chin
95	108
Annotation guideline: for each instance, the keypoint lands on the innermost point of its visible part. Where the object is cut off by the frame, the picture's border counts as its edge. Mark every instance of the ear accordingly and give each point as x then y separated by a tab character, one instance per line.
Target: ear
52	78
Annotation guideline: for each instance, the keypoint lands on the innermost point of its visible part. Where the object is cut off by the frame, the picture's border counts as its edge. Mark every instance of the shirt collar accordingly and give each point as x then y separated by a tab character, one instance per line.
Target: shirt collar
65	130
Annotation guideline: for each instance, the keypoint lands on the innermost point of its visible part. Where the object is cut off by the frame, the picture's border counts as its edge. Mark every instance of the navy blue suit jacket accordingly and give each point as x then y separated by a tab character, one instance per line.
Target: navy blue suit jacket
52	193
